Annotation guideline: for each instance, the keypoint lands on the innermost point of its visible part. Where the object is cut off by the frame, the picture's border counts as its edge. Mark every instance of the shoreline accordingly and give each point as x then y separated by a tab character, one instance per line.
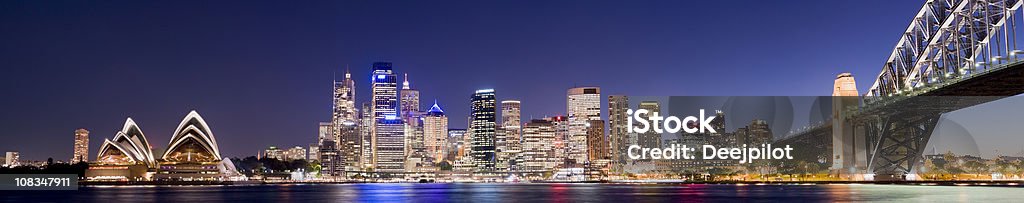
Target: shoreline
989	183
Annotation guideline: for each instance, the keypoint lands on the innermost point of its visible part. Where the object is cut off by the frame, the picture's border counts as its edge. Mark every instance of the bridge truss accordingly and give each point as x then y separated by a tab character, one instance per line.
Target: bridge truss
950	39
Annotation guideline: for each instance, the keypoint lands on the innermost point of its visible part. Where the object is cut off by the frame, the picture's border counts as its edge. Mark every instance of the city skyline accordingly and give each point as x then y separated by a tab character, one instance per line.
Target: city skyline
289	93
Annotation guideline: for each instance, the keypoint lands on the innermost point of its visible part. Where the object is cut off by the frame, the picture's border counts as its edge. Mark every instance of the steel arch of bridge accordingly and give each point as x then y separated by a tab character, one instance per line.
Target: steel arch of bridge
950	39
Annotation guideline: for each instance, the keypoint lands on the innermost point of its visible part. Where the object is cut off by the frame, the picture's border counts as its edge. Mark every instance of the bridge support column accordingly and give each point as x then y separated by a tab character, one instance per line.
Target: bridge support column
898	141
845	143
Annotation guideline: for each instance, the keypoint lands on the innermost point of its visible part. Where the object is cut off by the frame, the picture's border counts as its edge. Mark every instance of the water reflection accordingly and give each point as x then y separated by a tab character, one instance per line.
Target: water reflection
622	193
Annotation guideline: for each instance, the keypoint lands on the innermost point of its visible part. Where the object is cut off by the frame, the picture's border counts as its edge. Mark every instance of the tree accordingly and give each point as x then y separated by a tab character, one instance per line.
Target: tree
445	166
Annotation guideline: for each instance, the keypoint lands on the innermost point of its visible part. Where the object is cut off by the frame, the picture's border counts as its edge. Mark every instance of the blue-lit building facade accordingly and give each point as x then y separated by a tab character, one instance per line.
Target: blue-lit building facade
388	128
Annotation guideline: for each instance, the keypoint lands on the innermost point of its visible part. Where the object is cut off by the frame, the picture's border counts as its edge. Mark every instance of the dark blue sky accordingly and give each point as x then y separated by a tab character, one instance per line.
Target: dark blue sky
260	72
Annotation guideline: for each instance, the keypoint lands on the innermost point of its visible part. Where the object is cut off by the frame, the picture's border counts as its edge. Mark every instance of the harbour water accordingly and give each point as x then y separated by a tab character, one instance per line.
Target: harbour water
622	193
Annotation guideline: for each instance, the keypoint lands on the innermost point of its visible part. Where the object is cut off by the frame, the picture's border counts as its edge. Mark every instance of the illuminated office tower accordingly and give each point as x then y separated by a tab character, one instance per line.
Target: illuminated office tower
345	128
538	142
456	144
410	112
583	105
326	132
81	146
415	150
650	139
558	148
344	103
483	130
350	145
510	145
273	152
618	134
366	132
410	101
295	153
435	133
314	152
388	129
331	165
11	159
597	145
328	144
501	156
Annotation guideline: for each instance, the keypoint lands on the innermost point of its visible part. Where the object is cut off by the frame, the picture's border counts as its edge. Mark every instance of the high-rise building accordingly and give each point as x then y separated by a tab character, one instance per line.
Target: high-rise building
294	153
11	159
325	137
435	133
410	100
344	103
415	149
538	143
501	153
388	128
456	145
483	127
510	141
325	132
366	132
559	151
597	146
618	134
81	146
350	145
650	139
273	152
330	165
313	153
583	105
345	123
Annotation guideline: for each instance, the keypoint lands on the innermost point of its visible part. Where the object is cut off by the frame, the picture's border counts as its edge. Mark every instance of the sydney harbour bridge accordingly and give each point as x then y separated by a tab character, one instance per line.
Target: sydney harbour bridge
953	55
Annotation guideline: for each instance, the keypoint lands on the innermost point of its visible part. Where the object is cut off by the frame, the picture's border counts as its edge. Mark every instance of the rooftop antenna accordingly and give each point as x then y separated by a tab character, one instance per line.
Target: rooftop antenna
405	84
348	73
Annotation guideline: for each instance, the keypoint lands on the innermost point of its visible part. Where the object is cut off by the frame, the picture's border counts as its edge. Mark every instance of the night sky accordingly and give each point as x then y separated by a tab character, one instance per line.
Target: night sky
260	72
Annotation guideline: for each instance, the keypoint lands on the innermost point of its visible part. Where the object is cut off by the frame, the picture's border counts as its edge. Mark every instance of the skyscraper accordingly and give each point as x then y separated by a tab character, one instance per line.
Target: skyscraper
314	152
325	132
511	144
650	139
559	148
456	144
415	150
618	134
366	133
81	146
12	159
330	164
597	146
388	129
583	105
350	145
483	130
345	123
331	160
344	102
538	143
410	100
435	133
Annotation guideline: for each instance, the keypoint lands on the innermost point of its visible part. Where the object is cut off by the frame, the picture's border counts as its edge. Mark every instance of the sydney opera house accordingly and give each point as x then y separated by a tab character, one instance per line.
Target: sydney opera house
191	155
